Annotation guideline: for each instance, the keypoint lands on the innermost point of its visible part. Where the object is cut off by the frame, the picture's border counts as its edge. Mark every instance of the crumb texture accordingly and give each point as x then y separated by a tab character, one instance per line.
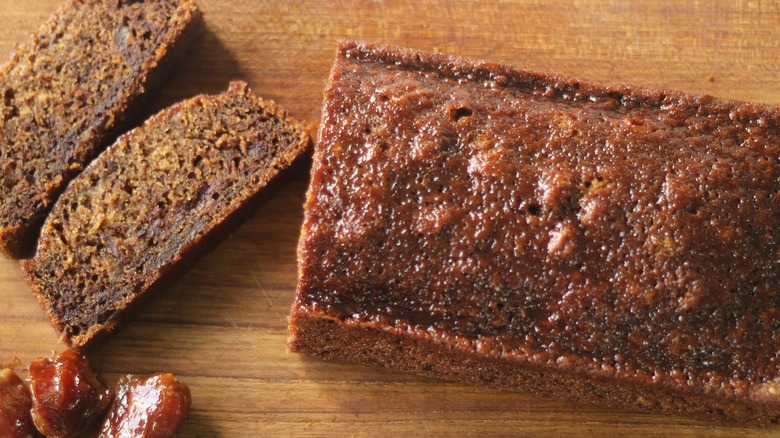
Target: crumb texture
151	198
597	230
64	92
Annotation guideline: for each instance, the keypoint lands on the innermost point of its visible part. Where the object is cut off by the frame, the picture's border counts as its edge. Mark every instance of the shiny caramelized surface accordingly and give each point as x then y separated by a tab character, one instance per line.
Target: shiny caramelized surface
547	220
15	404
67	398
147	406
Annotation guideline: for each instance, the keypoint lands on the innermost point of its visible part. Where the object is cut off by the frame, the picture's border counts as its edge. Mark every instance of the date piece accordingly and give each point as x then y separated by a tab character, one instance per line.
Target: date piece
153	406
67	398
15	404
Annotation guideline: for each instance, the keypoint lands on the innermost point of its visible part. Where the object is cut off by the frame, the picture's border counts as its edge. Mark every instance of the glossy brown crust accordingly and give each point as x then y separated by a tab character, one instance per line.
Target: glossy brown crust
188	175
15	404
82	80
595	242
152	406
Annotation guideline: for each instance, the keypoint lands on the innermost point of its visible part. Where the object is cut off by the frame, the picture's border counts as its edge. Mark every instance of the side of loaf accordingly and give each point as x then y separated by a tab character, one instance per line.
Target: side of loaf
70	90
485	224
138	214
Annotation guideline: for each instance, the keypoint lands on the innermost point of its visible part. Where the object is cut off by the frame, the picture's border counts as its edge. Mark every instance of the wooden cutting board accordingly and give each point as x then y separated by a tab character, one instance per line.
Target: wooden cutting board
223	326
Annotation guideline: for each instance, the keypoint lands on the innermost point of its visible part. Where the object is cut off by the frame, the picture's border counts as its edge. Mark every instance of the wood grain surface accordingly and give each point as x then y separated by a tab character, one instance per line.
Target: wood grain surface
223	326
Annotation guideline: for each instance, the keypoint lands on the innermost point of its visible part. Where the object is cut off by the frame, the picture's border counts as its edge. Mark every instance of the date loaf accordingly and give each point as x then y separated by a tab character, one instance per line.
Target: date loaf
599	243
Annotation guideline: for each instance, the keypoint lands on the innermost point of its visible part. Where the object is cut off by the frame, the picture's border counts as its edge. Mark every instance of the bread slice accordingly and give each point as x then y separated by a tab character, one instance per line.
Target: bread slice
599	243
70	90
136	215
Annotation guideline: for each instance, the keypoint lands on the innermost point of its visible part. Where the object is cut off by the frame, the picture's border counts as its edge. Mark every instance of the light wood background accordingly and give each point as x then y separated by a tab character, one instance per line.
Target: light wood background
222	328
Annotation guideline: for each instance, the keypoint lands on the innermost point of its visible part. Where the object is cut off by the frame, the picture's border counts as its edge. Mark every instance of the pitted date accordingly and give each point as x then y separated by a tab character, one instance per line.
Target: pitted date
67	398
150	407
15	404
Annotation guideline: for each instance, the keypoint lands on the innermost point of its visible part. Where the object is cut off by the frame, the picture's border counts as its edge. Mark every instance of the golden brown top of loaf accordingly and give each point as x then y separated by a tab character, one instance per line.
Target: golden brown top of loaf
604	230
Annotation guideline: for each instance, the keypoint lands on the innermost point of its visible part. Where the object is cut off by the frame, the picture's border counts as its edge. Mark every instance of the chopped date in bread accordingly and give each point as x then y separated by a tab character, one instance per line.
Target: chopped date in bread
67	397
153	406
15	405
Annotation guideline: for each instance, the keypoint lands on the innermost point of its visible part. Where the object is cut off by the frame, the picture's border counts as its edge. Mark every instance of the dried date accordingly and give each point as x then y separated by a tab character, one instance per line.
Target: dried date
150	407
67	398
15	404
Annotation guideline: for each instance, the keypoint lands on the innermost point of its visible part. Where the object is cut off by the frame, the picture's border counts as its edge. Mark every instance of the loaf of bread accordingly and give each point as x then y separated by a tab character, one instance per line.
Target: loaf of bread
136	215
70	90
597	243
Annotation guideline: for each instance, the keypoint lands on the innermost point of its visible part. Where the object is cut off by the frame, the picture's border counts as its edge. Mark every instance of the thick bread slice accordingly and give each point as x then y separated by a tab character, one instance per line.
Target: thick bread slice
134	217
69	91
600	243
